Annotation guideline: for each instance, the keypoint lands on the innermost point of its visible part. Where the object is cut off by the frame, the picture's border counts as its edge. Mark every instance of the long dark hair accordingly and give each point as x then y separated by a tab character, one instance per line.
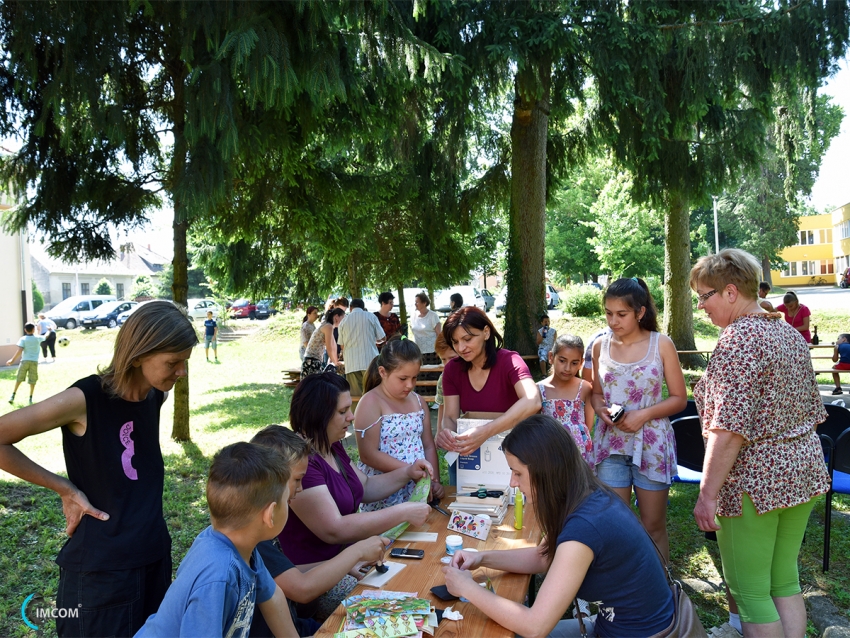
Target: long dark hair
308	311
560	478
396	352
313	405
473	317
635	293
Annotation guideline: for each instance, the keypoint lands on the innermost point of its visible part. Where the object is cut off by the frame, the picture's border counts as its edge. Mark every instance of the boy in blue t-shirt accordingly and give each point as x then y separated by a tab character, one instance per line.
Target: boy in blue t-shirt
210	336
223	576
28	348
841	354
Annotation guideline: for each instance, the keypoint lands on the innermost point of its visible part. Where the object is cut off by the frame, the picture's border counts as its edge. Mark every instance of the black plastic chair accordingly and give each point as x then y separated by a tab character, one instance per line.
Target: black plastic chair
837	421
837	454
690	410
690	449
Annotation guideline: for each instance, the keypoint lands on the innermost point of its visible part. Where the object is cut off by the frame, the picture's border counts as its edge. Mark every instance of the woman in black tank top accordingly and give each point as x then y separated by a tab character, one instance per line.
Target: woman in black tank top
116	565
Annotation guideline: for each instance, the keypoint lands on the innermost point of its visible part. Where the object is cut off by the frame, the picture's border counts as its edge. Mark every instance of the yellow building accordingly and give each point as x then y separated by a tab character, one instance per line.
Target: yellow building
841	239
812	261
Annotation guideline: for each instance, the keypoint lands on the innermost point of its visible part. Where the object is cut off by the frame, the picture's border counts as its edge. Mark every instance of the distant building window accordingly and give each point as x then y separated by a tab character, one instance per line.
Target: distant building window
66	291
119	290
84	289
826	267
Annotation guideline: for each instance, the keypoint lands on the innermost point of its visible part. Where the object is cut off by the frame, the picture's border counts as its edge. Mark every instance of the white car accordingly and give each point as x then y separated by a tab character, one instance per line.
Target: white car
198	308
552	297
471	297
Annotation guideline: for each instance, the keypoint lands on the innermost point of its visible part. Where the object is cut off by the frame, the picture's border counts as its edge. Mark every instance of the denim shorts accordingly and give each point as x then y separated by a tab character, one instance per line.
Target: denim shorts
619	471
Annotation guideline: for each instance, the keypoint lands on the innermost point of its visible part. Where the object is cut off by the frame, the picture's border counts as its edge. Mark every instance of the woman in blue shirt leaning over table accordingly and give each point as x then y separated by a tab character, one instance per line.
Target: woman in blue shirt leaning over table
598	549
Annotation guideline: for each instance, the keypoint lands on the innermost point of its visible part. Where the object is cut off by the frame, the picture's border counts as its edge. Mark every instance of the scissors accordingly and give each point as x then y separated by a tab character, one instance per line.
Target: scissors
485	493
436	505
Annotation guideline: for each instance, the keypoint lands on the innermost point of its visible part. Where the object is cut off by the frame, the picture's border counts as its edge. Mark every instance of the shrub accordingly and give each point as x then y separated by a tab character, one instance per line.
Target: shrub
582	301
37	299
142	287
656	289
103	288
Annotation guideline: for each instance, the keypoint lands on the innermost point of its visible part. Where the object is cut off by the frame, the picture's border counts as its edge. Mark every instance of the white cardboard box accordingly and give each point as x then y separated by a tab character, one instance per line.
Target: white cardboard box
487	465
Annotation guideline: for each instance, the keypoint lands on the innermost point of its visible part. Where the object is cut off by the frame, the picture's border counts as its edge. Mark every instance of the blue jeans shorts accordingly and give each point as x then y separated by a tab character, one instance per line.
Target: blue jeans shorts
619	471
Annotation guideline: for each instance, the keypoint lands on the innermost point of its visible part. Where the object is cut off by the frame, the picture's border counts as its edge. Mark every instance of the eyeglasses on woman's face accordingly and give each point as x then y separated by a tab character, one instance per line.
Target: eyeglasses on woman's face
705	297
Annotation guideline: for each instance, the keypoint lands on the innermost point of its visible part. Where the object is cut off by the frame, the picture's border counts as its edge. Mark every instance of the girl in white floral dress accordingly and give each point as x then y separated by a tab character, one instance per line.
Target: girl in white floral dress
630	366
566	396
391	424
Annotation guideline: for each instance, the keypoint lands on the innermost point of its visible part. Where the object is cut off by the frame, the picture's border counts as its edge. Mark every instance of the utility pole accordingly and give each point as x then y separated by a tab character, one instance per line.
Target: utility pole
716	235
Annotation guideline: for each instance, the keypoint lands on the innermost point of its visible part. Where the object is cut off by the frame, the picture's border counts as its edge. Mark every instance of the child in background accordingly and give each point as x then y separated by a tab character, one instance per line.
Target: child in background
545	338
305	587
223	575
402	437
210	336
28	349
841	354
566	397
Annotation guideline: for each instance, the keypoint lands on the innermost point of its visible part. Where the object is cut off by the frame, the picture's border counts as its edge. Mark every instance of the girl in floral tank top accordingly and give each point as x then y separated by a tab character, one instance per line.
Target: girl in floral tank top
630	366
566	398
391	425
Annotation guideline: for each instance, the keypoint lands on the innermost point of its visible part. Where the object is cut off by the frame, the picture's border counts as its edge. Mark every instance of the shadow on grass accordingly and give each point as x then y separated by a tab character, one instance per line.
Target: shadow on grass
32	531
254	404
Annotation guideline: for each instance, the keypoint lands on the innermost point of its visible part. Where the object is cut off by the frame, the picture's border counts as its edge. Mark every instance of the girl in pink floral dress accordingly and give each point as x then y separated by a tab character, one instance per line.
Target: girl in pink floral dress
392	426
630	366
566	397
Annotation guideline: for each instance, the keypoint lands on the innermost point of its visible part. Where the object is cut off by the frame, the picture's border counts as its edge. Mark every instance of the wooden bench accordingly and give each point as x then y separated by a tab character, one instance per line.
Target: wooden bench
830	371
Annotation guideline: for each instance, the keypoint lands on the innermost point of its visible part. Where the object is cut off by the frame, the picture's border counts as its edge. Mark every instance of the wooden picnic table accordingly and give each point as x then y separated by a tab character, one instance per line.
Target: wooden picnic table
421	575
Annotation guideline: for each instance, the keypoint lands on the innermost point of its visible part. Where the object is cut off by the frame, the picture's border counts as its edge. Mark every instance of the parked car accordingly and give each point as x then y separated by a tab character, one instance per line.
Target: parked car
242	309
69	312
198	308
501	301
471	297
552	297
266	308
370	301
107	314
489	299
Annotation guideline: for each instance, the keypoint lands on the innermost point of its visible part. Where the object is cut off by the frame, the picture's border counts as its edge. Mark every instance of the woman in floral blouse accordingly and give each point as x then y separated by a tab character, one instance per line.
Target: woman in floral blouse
759	405
630	366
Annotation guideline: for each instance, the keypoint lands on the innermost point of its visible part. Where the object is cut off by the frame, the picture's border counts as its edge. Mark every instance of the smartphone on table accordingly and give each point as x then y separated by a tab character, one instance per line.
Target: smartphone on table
406	552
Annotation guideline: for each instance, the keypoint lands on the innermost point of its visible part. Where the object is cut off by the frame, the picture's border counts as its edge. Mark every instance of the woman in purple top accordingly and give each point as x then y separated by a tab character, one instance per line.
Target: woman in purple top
324	519
483	378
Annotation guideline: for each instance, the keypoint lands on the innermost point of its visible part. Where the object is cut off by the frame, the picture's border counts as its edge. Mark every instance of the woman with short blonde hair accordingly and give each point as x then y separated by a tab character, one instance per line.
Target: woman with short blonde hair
759	405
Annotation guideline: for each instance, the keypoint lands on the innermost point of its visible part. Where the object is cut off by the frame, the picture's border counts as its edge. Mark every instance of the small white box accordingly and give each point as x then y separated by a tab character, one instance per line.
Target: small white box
487	465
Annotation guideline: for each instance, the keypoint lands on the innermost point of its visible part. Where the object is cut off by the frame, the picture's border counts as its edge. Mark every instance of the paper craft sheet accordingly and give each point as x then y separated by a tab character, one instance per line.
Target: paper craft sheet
377	579
473	525
420	495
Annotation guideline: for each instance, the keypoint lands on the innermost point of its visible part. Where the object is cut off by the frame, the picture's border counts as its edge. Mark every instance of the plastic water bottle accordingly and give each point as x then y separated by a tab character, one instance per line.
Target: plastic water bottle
518	499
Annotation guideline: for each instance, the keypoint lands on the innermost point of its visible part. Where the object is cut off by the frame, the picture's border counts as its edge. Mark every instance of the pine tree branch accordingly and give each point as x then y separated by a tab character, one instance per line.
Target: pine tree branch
725	23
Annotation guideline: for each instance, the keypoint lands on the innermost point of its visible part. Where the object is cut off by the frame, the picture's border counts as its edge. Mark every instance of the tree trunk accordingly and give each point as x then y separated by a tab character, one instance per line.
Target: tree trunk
765	269
353	282
402	306
180	291
526	272
180	264
678	316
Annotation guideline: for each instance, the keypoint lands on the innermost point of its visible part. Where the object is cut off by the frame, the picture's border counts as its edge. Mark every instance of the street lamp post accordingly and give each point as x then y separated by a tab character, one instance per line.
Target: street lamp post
716	235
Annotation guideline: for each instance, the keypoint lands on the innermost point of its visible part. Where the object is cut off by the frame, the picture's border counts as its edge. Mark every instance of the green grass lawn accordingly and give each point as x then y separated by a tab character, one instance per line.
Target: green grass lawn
232	400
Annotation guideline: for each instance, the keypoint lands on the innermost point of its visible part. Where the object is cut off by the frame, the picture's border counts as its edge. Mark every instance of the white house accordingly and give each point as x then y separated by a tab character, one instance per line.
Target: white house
15	287
57	280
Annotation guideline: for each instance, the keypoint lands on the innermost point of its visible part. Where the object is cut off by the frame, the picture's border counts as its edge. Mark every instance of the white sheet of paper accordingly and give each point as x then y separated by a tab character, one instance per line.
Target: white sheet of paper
419	537
451	457
376	579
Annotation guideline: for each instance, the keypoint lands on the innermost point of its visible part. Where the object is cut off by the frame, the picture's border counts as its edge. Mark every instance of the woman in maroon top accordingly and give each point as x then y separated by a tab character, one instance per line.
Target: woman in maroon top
796	314
483	378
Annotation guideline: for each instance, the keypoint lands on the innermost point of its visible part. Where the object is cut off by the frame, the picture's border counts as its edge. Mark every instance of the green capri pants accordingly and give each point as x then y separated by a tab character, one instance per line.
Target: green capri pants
759	555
